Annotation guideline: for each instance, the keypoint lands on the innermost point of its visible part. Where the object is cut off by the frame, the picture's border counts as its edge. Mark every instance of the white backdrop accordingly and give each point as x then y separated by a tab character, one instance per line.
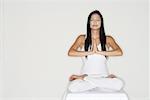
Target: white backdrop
36	36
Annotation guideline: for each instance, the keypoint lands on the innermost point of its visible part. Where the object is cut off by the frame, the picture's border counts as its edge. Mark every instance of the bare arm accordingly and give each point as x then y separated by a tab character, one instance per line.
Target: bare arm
73	51
116	49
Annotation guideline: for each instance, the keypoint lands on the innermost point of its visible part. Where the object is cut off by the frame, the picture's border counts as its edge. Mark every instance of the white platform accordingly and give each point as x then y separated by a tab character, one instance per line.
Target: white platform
92	95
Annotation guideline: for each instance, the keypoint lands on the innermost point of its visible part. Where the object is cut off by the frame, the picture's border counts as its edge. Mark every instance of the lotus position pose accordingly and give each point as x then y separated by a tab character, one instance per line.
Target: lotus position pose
94	49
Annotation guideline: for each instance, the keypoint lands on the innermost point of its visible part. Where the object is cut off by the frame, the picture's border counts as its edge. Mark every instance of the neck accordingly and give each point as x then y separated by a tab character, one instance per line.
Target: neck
95	34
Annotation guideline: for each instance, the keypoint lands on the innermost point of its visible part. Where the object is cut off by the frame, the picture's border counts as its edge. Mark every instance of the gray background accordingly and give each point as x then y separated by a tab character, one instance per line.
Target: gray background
36	35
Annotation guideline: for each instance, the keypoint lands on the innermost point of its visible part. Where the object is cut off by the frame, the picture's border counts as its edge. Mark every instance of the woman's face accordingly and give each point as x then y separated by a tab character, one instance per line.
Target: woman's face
95	21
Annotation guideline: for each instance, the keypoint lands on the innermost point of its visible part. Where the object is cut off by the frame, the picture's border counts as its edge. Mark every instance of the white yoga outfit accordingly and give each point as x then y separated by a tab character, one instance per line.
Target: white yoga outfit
96	67
95	64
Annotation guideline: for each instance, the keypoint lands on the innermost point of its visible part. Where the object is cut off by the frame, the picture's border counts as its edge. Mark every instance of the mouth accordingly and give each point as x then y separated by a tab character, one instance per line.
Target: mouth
95	25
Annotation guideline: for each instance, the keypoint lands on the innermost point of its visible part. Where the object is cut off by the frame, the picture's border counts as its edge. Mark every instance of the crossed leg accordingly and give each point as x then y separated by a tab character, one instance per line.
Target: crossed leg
79	85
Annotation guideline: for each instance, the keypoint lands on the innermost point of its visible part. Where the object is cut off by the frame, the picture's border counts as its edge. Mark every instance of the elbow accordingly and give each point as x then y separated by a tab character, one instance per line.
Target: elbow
120	53
72	53
69	53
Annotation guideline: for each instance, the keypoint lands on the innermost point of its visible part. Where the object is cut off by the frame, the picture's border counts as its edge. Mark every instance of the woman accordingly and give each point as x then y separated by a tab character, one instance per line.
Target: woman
94	49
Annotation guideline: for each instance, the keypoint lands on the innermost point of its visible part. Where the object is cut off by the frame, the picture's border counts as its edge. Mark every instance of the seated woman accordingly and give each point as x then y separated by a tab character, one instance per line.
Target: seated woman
93	48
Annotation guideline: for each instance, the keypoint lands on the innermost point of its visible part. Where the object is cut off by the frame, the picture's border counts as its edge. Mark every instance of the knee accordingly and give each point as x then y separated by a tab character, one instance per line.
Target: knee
73	86
119	84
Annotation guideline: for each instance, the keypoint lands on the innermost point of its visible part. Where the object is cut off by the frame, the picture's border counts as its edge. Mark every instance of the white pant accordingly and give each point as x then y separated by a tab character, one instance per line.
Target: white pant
102	83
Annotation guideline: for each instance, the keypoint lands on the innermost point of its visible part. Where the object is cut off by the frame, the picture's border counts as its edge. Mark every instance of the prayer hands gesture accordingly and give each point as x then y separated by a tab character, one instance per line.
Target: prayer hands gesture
94	46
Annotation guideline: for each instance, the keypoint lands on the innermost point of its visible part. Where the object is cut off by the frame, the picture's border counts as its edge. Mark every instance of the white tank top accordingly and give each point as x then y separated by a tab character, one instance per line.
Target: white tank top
95	64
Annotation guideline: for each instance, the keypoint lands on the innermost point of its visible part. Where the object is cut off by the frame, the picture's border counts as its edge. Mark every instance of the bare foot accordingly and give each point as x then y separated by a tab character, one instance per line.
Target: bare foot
111	76
74	77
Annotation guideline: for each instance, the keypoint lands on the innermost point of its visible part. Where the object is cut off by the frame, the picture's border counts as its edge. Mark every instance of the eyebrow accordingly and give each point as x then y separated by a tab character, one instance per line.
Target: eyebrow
95	19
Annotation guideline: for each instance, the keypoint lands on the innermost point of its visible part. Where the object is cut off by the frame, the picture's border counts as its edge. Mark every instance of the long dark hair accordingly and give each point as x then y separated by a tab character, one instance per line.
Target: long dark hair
88	40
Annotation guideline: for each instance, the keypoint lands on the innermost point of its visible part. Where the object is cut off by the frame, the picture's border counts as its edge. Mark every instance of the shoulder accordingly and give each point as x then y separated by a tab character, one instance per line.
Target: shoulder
109	38
81	37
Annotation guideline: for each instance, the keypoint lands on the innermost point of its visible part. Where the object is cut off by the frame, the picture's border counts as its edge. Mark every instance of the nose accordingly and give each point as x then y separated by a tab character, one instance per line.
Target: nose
94	22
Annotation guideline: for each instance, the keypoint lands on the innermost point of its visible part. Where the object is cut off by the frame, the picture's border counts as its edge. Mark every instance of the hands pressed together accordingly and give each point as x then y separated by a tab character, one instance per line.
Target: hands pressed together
94	46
